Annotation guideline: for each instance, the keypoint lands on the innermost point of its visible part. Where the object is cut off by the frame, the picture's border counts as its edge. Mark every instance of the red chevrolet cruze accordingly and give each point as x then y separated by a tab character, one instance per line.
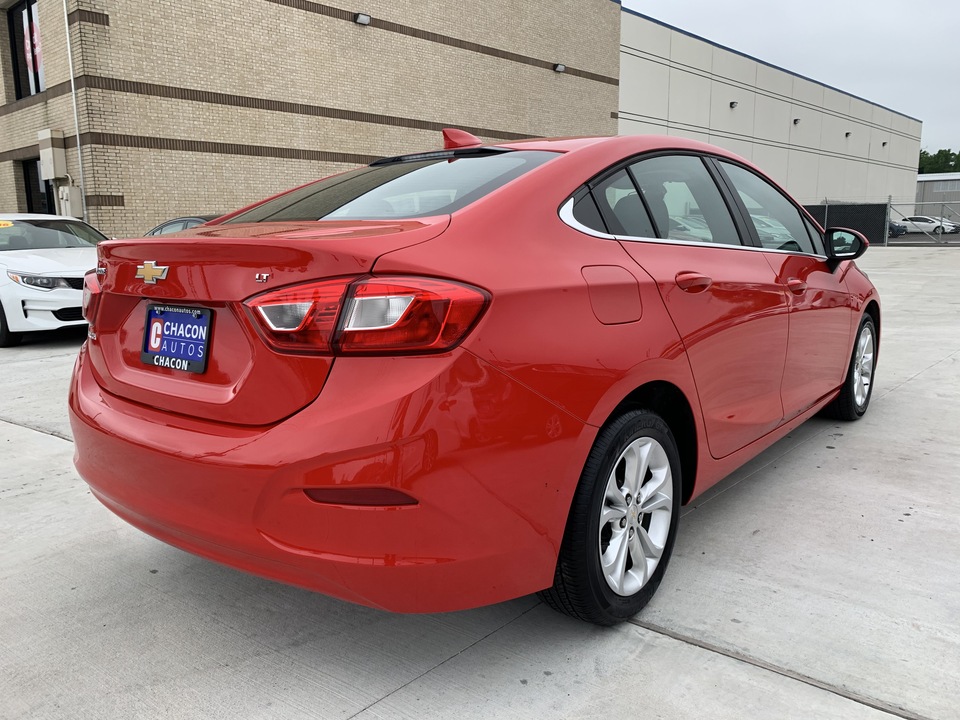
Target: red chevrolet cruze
457	377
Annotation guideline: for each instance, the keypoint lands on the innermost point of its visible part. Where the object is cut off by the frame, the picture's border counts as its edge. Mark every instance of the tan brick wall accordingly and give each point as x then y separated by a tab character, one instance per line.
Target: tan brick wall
154	181
12	197
261	49
19	129
574	32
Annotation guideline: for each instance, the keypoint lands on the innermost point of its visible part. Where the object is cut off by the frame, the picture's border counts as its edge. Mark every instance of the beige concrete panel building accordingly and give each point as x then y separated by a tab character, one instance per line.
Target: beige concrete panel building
817	141
201	108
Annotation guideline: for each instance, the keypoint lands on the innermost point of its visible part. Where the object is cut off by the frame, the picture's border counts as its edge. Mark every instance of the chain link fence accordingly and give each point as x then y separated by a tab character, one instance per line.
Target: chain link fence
893	223
925	223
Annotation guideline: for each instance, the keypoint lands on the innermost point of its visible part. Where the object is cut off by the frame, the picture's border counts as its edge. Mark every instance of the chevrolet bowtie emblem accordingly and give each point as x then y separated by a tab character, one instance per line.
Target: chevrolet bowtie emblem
151	272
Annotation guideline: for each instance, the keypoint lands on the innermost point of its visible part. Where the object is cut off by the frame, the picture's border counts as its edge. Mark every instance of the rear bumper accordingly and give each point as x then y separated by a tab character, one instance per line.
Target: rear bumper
492	466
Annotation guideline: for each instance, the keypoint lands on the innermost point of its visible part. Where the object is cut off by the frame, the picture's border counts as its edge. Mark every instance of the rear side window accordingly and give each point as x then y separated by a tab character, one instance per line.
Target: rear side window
586	213
622	206
778	222
171	228
402	189
684	200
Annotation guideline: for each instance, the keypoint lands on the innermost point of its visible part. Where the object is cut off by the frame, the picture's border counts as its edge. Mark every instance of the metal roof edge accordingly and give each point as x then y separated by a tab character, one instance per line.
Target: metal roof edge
931	177
762	62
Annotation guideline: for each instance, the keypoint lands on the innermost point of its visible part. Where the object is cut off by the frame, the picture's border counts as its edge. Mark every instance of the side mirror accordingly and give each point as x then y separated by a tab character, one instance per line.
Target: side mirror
845	244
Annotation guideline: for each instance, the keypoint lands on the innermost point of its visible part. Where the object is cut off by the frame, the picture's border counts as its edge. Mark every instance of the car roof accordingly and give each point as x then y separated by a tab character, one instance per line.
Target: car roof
36	216
629	144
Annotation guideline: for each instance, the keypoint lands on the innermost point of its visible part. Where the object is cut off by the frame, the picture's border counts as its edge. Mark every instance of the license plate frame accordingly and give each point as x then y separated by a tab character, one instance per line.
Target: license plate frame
177	337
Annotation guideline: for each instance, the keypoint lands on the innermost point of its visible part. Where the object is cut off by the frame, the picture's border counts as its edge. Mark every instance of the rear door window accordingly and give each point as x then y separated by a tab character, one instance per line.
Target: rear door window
685	202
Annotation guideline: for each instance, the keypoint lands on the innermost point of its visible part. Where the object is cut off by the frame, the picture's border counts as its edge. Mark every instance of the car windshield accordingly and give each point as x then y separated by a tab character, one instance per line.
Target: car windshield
438	184
46	234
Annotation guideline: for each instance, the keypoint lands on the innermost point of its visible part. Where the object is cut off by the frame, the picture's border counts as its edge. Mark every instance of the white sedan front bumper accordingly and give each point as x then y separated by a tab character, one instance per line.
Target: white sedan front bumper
27	309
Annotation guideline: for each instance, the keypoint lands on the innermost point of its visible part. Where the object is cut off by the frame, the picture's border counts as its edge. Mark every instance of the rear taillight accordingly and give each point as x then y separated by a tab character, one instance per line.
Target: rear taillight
301	318
91	296
368	315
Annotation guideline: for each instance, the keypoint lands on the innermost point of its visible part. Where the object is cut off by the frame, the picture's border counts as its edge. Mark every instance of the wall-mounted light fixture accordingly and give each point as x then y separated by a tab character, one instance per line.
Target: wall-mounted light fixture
796	121
883	144
361	19
847	134
733	104
559	67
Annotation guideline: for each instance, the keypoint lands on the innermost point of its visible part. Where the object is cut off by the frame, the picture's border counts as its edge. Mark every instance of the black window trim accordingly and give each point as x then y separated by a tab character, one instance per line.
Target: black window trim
606	212
582	193
21	92
565	211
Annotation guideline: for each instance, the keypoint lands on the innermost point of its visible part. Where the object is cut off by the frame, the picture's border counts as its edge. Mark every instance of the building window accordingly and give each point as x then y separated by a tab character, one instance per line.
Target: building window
945	186
25	45
39	192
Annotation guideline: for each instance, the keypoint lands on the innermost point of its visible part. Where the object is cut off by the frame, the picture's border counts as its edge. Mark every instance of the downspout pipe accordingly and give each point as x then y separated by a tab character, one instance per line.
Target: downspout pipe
76	111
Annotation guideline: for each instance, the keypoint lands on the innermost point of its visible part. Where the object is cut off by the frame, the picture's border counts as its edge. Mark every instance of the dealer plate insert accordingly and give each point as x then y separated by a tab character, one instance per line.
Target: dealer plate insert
177	337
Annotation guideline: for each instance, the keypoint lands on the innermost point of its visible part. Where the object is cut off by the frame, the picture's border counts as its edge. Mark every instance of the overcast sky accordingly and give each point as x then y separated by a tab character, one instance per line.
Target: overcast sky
903	54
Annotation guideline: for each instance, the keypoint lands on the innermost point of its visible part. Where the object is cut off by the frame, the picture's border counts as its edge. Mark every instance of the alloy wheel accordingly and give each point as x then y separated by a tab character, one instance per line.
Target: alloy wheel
635	516
863	366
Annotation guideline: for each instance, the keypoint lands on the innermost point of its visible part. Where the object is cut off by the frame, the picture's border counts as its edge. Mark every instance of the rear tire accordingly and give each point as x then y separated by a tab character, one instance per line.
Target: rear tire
854	397
622	523
7	338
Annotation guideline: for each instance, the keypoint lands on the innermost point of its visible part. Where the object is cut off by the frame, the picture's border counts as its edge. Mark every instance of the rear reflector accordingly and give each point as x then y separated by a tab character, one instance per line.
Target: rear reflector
91	296
365	497
368	315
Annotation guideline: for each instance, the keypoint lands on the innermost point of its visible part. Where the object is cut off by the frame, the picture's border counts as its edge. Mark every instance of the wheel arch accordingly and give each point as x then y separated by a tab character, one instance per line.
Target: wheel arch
670	403
873	310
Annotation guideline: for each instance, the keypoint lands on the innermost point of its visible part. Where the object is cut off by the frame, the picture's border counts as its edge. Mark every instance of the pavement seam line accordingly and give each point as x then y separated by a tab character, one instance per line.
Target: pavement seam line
919	373
42	431
686	511
7	362
446	660
864	700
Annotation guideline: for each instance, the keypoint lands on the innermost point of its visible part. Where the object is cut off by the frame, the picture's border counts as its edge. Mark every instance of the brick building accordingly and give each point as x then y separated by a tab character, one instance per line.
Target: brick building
185	108
200	108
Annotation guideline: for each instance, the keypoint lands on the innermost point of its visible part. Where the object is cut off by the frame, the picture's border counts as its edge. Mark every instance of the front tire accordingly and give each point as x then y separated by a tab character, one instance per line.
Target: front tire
622	523
854	397
7	338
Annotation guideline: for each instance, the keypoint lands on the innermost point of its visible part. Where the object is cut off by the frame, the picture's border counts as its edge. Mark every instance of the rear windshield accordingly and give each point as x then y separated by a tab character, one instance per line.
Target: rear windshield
405	189
46	234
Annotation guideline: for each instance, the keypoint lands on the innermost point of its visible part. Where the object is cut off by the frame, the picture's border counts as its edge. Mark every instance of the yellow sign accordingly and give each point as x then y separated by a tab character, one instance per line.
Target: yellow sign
6	223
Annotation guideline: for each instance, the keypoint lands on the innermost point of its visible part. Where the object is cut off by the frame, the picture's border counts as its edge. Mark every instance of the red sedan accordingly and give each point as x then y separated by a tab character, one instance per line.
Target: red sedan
457	377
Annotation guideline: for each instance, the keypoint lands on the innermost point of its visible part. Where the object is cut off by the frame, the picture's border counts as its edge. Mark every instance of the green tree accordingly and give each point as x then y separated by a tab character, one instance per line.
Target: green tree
941	161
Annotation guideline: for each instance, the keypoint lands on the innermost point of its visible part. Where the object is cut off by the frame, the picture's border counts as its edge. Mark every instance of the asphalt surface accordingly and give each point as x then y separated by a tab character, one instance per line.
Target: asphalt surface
820	581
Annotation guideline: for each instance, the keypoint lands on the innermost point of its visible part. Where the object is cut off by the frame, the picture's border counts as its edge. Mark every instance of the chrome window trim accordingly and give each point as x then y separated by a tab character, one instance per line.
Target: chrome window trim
566	215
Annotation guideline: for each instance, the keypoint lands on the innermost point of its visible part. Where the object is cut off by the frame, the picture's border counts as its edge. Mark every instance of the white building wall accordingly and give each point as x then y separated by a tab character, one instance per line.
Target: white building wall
842	148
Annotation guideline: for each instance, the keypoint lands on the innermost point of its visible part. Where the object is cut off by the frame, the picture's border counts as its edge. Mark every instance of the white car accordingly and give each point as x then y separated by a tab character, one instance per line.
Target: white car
949	226
926	224
43	259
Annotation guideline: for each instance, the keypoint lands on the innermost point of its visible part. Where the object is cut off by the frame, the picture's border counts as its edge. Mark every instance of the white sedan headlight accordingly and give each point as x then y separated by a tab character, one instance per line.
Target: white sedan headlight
38	282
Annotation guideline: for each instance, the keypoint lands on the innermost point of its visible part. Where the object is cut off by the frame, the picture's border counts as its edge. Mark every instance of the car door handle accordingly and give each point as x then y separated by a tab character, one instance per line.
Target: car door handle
797	286
693	282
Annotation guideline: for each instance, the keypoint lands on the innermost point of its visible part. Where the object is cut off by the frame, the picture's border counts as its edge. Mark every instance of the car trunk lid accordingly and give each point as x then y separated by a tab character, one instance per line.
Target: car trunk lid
215	269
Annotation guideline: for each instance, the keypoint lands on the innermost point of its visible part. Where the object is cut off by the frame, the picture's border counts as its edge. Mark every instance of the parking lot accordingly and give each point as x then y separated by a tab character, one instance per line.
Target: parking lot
820	581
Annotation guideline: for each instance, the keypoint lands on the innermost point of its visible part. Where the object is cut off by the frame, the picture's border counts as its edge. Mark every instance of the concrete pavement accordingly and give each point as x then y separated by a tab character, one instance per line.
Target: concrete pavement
820	581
